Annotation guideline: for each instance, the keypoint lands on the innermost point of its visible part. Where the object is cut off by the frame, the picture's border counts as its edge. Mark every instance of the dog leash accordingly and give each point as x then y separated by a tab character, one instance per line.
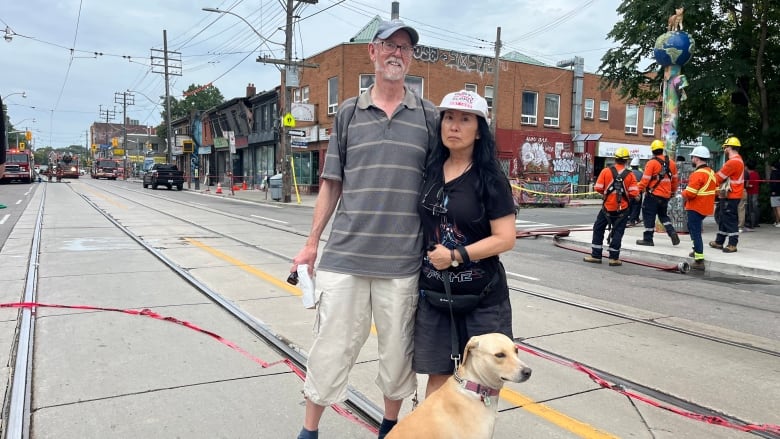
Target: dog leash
455	355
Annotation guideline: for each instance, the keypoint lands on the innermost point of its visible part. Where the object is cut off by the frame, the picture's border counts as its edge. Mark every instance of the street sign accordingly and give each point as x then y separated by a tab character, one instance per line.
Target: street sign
296	133
299	143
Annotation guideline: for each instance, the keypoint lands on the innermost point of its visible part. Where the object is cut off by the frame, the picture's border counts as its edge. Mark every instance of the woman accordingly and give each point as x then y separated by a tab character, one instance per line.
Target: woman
468	219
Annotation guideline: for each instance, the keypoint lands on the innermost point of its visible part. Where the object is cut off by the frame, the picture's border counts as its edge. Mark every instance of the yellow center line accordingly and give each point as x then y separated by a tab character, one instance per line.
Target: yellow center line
553	416
246	267
110	200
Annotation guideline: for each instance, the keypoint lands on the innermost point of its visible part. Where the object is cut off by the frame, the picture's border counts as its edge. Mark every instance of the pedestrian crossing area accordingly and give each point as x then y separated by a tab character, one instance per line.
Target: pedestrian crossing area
534	225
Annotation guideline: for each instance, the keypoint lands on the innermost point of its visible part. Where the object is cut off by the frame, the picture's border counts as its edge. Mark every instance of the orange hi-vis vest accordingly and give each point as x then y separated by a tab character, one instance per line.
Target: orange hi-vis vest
611	202
734	170
700	193
666	186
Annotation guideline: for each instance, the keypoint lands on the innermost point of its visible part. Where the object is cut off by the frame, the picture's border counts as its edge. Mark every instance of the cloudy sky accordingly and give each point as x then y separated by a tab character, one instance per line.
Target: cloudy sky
71	57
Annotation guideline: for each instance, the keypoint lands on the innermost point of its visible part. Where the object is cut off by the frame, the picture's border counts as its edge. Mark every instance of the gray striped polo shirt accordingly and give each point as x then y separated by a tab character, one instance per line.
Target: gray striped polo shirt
376	230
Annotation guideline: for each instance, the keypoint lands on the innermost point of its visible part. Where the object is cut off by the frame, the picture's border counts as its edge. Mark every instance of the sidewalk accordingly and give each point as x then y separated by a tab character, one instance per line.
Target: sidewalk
758	254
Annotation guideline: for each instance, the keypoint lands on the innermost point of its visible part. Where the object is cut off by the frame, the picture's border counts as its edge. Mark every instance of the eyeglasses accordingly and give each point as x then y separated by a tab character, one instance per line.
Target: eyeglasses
438	208
389	47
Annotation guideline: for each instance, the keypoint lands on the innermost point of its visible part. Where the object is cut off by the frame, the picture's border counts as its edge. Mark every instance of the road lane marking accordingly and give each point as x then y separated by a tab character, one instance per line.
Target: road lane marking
553	416
19	202
5	218
269	219
522	275
246	267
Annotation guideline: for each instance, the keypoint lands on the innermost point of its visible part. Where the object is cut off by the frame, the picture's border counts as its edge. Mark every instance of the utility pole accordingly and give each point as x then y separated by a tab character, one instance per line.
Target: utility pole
125	98
496	69
289	79
109	115
171	66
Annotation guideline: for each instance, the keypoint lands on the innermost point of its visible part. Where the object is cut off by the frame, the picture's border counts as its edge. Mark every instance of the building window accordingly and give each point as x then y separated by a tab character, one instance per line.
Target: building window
365	82
333	95
589	106
604	110
632	118
648	121
296	95
305	95
265	120
415	84
528	115
470	87
552	104
489	96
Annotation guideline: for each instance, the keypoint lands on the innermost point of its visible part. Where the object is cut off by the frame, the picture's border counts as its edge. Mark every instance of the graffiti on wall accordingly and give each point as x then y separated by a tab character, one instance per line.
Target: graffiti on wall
461	61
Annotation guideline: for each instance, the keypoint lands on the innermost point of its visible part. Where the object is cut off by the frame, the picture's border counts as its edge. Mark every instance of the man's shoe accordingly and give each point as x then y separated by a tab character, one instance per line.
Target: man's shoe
592	260
615	262
675	239
698	265
643	242
691	254
730	249
716	245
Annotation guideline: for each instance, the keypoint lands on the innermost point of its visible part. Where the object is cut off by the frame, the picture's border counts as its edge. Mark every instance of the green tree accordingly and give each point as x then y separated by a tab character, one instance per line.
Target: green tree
734	79
197	98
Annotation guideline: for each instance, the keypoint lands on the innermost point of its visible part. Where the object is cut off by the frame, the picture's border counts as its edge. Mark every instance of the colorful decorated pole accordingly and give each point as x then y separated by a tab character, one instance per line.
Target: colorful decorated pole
672	50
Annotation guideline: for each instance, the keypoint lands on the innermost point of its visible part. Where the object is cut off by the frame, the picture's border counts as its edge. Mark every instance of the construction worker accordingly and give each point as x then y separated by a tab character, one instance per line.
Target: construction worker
617	186
731	184
659	183
635	208
699	198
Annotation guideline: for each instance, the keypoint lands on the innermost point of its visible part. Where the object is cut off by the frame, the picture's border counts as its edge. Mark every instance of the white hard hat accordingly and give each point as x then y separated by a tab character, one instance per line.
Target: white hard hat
635	161
701	152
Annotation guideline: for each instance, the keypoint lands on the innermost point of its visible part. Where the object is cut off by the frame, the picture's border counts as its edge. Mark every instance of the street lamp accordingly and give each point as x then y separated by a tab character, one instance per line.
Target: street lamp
23	93
262	38
17	132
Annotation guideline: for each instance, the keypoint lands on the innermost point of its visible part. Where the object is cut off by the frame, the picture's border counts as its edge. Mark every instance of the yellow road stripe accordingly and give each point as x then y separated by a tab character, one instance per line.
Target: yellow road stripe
553	416
110	200
246	267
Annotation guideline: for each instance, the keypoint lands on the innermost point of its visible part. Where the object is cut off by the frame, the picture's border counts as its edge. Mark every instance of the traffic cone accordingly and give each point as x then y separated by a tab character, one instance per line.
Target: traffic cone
219	188
243	186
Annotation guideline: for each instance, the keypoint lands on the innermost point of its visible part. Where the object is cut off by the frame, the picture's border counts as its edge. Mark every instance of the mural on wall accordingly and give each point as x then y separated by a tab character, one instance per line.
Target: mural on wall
547	170
461	61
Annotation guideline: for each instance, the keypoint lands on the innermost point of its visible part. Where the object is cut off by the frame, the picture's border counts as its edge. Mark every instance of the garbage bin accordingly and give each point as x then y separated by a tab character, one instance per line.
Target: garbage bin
275	184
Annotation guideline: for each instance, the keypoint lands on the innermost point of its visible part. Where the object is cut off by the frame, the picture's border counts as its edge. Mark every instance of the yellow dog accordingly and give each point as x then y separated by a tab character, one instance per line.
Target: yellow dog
465	407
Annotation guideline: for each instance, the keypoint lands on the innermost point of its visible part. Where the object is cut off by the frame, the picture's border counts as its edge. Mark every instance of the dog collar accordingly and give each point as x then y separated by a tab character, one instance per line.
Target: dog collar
484	392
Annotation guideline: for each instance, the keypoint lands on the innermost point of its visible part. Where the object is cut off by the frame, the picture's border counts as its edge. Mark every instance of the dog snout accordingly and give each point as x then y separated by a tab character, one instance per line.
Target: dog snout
525	373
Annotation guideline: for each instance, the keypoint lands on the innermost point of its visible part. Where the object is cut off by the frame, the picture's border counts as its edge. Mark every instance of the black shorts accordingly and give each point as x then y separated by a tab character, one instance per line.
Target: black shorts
432	341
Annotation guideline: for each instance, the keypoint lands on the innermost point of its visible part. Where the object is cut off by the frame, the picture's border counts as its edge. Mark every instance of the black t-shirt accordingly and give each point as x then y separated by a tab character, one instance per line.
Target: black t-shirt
466	220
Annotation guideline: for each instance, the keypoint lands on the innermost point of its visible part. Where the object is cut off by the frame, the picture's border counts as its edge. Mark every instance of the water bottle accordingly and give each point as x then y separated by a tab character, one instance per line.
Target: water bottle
306	284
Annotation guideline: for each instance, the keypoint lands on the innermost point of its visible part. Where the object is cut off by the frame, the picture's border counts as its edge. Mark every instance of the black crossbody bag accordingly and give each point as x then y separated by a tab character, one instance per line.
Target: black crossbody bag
461	303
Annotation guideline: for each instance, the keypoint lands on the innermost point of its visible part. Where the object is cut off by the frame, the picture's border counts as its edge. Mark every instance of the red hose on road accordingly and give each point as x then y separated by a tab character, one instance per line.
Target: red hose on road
681	267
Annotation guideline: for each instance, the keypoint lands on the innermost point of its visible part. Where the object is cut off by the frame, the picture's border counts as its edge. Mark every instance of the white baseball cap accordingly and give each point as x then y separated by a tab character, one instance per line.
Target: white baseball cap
466	101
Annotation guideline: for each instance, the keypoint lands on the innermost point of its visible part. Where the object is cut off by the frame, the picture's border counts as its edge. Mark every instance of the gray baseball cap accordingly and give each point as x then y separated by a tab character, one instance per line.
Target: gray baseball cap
388	28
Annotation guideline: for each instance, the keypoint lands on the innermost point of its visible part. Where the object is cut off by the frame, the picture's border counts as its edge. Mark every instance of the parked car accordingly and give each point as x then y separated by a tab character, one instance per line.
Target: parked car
164	175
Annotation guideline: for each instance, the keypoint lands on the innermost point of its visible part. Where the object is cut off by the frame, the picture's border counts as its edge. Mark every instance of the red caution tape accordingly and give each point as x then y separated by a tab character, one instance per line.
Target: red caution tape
715	420
146	312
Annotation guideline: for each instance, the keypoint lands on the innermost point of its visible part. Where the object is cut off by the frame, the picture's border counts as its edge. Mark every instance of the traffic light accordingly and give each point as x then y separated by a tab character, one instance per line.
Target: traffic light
187	146
94	147
114	142
21	146
28	135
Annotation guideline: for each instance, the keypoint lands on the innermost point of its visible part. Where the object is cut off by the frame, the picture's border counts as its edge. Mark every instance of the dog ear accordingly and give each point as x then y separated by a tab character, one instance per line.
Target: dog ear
472	344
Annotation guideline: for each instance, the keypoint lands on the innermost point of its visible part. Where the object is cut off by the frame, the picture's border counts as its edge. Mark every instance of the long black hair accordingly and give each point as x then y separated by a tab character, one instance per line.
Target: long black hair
484	160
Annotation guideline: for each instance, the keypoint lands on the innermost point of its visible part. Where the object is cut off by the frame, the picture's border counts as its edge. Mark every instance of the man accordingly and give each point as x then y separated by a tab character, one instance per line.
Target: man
731	184
617	185
699	198
659	182
636	203
753	213
370	265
